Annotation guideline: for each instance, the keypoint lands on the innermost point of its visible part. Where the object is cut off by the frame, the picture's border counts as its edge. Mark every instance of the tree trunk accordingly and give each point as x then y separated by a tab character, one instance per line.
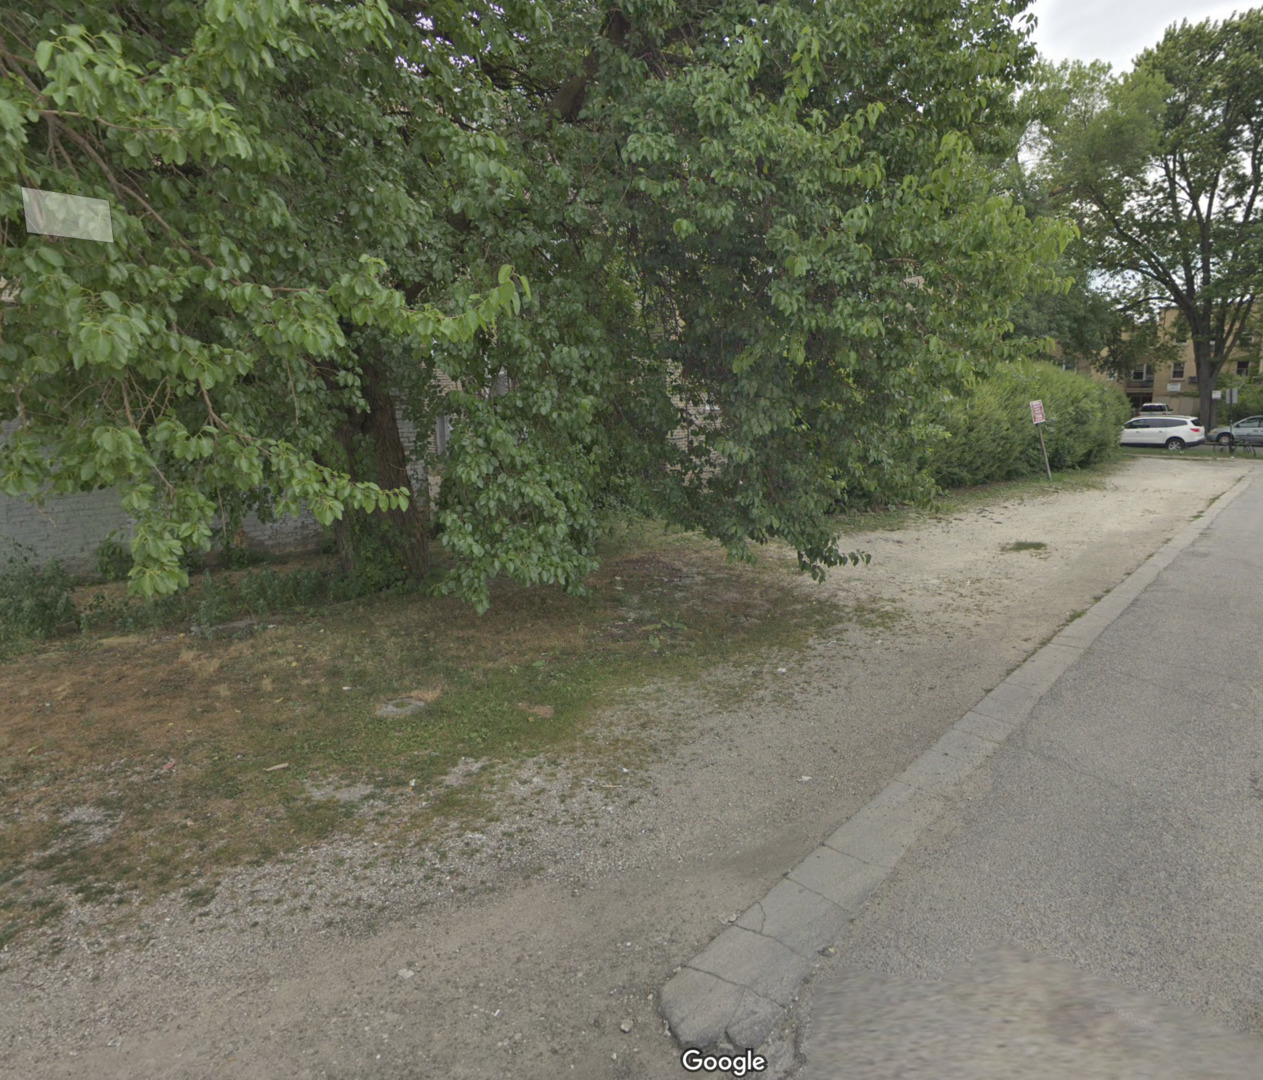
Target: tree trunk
382	427
344	541
1205	382
408	529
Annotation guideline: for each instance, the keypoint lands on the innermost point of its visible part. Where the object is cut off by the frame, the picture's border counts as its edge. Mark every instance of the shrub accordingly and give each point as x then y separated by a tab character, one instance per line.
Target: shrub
990	436
34	601
238	557
307	586
213	607
1249	403
262	592
113	559
267	591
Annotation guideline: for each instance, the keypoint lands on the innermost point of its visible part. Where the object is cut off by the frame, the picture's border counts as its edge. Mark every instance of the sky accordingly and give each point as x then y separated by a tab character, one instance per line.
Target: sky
1116	30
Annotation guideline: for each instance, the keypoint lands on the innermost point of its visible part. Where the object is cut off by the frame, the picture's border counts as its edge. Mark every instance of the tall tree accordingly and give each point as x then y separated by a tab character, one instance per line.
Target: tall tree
770	223
276	176
819	250
1162	168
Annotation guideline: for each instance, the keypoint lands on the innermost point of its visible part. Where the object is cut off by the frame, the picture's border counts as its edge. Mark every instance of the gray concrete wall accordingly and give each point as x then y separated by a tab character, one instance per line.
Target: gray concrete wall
70	528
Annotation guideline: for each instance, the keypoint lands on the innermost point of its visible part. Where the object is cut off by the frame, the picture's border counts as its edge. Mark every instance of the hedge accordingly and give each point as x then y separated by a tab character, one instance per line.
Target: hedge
989	435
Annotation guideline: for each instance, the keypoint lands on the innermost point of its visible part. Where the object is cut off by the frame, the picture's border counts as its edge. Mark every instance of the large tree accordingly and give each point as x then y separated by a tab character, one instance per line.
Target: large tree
1162	169
768	222
817	248
277	175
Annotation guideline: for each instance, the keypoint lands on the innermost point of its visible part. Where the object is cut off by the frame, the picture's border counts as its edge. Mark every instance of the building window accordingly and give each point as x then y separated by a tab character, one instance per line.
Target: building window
1177	371
1142	374
1243	367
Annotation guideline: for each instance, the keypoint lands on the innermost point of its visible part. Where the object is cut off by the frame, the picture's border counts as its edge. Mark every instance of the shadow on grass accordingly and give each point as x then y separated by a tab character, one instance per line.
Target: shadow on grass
152	762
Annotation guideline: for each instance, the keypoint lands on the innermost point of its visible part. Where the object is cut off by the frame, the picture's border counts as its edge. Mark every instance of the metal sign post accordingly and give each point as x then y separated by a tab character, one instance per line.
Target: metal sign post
1037	415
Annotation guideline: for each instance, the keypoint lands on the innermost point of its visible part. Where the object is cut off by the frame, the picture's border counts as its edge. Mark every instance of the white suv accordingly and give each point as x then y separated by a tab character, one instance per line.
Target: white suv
1173	432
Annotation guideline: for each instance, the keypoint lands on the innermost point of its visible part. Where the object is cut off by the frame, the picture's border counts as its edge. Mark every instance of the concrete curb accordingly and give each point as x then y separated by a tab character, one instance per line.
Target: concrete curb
743	983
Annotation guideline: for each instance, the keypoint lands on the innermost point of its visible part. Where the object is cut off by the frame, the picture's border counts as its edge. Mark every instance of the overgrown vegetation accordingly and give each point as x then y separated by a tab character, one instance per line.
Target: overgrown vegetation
34	600
324	220
1160	168
991	436
139	765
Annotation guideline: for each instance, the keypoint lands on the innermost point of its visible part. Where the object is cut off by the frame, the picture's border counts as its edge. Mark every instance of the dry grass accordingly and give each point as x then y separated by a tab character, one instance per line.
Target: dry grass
134	765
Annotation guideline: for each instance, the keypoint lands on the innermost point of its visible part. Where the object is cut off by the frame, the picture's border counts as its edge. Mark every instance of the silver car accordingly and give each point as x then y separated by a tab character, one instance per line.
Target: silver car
1173	432
1248	432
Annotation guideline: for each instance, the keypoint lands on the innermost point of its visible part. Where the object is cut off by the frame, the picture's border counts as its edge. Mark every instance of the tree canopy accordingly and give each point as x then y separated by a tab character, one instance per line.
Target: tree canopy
1162	168
770	224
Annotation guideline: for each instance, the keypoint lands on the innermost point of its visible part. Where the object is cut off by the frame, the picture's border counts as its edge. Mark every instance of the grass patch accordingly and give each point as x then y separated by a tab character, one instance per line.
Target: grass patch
1024	545
875	617
141	764
960	500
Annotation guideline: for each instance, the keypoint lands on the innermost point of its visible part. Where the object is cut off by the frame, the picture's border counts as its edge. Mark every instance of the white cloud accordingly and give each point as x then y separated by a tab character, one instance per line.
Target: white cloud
1116	30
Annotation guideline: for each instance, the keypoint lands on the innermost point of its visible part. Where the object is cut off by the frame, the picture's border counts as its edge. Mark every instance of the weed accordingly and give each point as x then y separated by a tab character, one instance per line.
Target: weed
113	559
34	601
1024	545
213	608
875	617
201	896
238	557
957	500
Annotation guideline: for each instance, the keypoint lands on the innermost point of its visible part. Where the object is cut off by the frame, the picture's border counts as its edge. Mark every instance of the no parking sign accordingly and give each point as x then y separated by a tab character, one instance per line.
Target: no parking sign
1037	415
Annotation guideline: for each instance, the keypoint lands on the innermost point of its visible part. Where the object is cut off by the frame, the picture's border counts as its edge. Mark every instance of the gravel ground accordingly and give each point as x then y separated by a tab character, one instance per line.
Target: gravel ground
534	948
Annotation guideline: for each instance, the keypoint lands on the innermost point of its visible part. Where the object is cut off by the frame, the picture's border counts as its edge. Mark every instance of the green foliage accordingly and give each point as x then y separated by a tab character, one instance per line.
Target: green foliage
377	570
271	171
113	560
1160	167
34	600
811	261
238	557
213	607
265	591
990	435
1249	399
763	223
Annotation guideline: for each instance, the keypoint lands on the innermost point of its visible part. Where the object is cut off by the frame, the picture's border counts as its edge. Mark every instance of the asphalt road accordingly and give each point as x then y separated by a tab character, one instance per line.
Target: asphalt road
1091	904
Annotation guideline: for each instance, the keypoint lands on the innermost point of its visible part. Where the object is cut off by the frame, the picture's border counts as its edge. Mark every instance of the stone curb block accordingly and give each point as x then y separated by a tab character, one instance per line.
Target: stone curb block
698	1006
882	831
1049	664
841	879
754	962
986	727
797	917
1009	701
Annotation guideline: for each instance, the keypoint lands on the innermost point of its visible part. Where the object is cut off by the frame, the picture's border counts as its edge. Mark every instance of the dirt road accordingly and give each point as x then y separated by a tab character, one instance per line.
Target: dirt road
535	949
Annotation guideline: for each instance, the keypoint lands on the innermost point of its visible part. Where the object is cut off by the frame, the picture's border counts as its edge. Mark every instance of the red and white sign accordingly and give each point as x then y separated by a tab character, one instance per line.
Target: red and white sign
1037	411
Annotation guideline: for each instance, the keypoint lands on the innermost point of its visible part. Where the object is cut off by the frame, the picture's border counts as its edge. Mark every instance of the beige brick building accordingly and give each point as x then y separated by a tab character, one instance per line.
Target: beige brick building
1170	382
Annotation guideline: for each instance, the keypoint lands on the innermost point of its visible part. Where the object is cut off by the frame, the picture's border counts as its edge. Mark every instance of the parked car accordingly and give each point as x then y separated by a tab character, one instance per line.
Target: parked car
1249	432
1155	407
1173	432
